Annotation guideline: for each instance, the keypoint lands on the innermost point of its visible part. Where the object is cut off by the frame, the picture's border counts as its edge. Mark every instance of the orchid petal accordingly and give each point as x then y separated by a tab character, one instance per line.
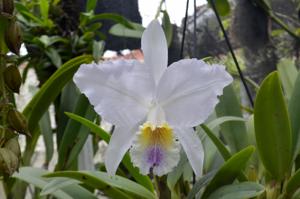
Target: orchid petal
189	89
155	49
120	90
193	148
120	142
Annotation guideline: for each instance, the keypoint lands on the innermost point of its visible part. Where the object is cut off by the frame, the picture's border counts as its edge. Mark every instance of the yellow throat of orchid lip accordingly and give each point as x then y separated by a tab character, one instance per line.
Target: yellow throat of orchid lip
151	135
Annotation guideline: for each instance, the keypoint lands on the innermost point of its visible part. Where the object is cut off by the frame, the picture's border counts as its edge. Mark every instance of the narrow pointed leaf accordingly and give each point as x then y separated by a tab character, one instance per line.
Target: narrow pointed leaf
74	135
272	128
288	75
220	120
218	143
34	176
106	183
202	182
294	113
234	132
46	131
229	171
51	89
238	191
293	184
141	179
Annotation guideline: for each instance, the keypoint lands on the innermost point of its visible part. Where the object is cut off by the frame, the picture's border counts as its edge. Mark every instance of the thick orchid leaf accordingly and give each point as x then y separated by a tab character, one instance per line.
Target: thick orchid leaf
217	142
113	17
293	184
229	171
288	75
41	101
74	135
175	175
220	120
57	184
107	184
238	191
167	26
234	132
34	176
67	102
91	5
122	31
51	89
44	8
294	113
204	180
272	128
221	148
141	179
46	131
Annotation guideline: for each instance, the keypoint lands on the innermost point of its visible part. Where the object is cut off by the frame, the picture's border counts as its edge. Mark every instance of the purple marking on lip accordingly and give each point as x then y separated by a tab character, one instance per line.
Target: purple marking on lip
154	156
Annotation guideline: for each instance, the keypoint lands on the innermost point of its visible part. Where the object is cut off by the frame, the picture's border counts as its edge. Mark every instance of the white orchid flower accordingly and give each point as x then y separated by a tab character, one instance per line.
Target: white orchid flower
152	106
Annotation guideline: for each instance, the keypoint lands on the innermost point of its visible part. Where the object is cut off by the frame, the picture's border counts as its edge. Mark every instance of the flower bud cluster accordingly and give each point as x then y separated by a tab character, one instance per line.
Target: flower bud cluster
12	122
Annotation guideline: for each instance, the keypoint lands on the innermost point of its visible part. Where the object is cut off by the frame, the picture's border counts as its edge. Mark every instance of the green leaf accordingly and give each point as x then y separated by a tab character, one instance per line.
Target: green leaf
67	100
23	10
204	180
167	26
34	176
92	126
106	183
41	101
122	31
53	56
229	171
51	89
234	132
221	148
217	142
287	74
222	6
294	113
114	17
134	171
47	41
220	120
46	131
44	8
74	135
175	175
238	191
293	184
57	184
98	49
91	5
272	128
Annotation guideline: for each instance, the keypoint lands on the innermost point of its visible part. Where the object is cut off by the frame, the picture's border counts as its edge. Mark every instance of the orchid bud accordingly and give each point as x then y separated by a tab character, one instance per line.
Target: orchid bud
13	38
17	121
12	78
9	162
13	145
6	134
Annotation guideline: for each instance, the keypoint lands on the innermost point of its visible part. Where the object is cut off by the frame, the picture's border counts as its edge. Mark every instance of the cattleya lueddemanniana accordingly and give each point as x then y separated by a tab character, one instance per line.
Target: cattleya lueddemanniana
153	107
